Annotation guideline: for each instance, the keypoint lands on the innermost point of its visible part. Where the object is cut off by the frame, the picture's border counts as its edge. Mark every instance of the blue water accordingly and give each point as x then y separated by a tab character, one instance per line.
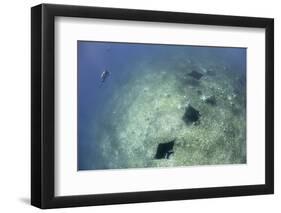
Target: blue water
123	61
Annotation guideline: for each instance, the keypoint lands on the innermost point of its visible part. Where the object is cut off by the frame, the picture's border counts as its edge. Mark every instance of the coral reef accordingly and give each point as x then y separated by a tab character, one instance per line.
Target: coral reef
155	107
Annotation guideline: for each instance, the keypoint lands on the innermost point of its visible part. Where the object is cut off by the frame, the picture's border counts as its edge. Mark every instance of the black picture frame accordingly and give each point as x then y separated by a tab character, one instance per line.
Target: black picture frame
43	102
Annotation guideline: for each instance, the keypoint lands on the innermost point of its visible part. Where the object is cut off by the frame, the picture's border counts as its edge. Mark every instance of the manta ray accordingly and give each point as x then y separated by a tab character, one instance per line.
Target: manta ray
196	75
164	150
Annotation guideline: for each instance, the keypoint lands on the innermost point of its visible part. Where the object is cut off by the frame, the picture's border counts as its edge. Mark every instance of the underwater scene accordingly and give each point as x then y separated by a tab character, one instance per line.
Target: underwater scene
159	105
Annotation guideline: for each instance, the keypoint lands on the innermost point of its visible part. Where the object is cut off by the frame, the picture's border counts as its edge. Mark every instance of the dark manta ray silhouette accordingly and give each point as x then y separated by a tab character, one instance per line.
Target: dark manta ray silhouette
191	115
196	75
164	150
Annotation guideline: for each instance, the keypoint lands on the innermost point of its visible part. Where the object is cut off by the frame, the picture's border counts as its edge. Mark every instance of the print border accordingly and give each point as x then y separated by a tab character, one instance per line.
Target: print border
43	113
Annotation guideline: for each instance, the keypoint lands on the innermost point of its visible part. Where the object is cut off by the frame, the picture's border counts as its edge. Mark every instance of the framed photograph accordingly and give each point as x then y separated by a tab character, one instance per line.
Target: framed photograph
140	106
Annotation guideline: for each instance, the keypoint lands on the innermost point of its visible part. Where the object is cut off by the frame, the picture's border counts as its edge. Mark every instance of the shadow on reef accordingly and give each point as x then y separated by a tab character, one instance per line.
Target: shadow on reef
164	150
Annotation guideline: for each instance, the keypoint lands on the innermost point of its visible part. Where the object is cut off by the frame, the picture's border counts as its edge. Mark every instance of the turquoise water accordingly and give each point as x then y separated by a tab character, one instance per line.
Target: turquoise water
149	99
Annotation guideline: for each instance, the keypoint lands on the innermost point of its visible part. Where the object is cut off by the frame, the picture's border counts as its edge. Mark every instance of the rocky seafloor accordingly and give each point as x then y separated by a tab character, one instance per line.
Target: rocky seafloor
198	104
